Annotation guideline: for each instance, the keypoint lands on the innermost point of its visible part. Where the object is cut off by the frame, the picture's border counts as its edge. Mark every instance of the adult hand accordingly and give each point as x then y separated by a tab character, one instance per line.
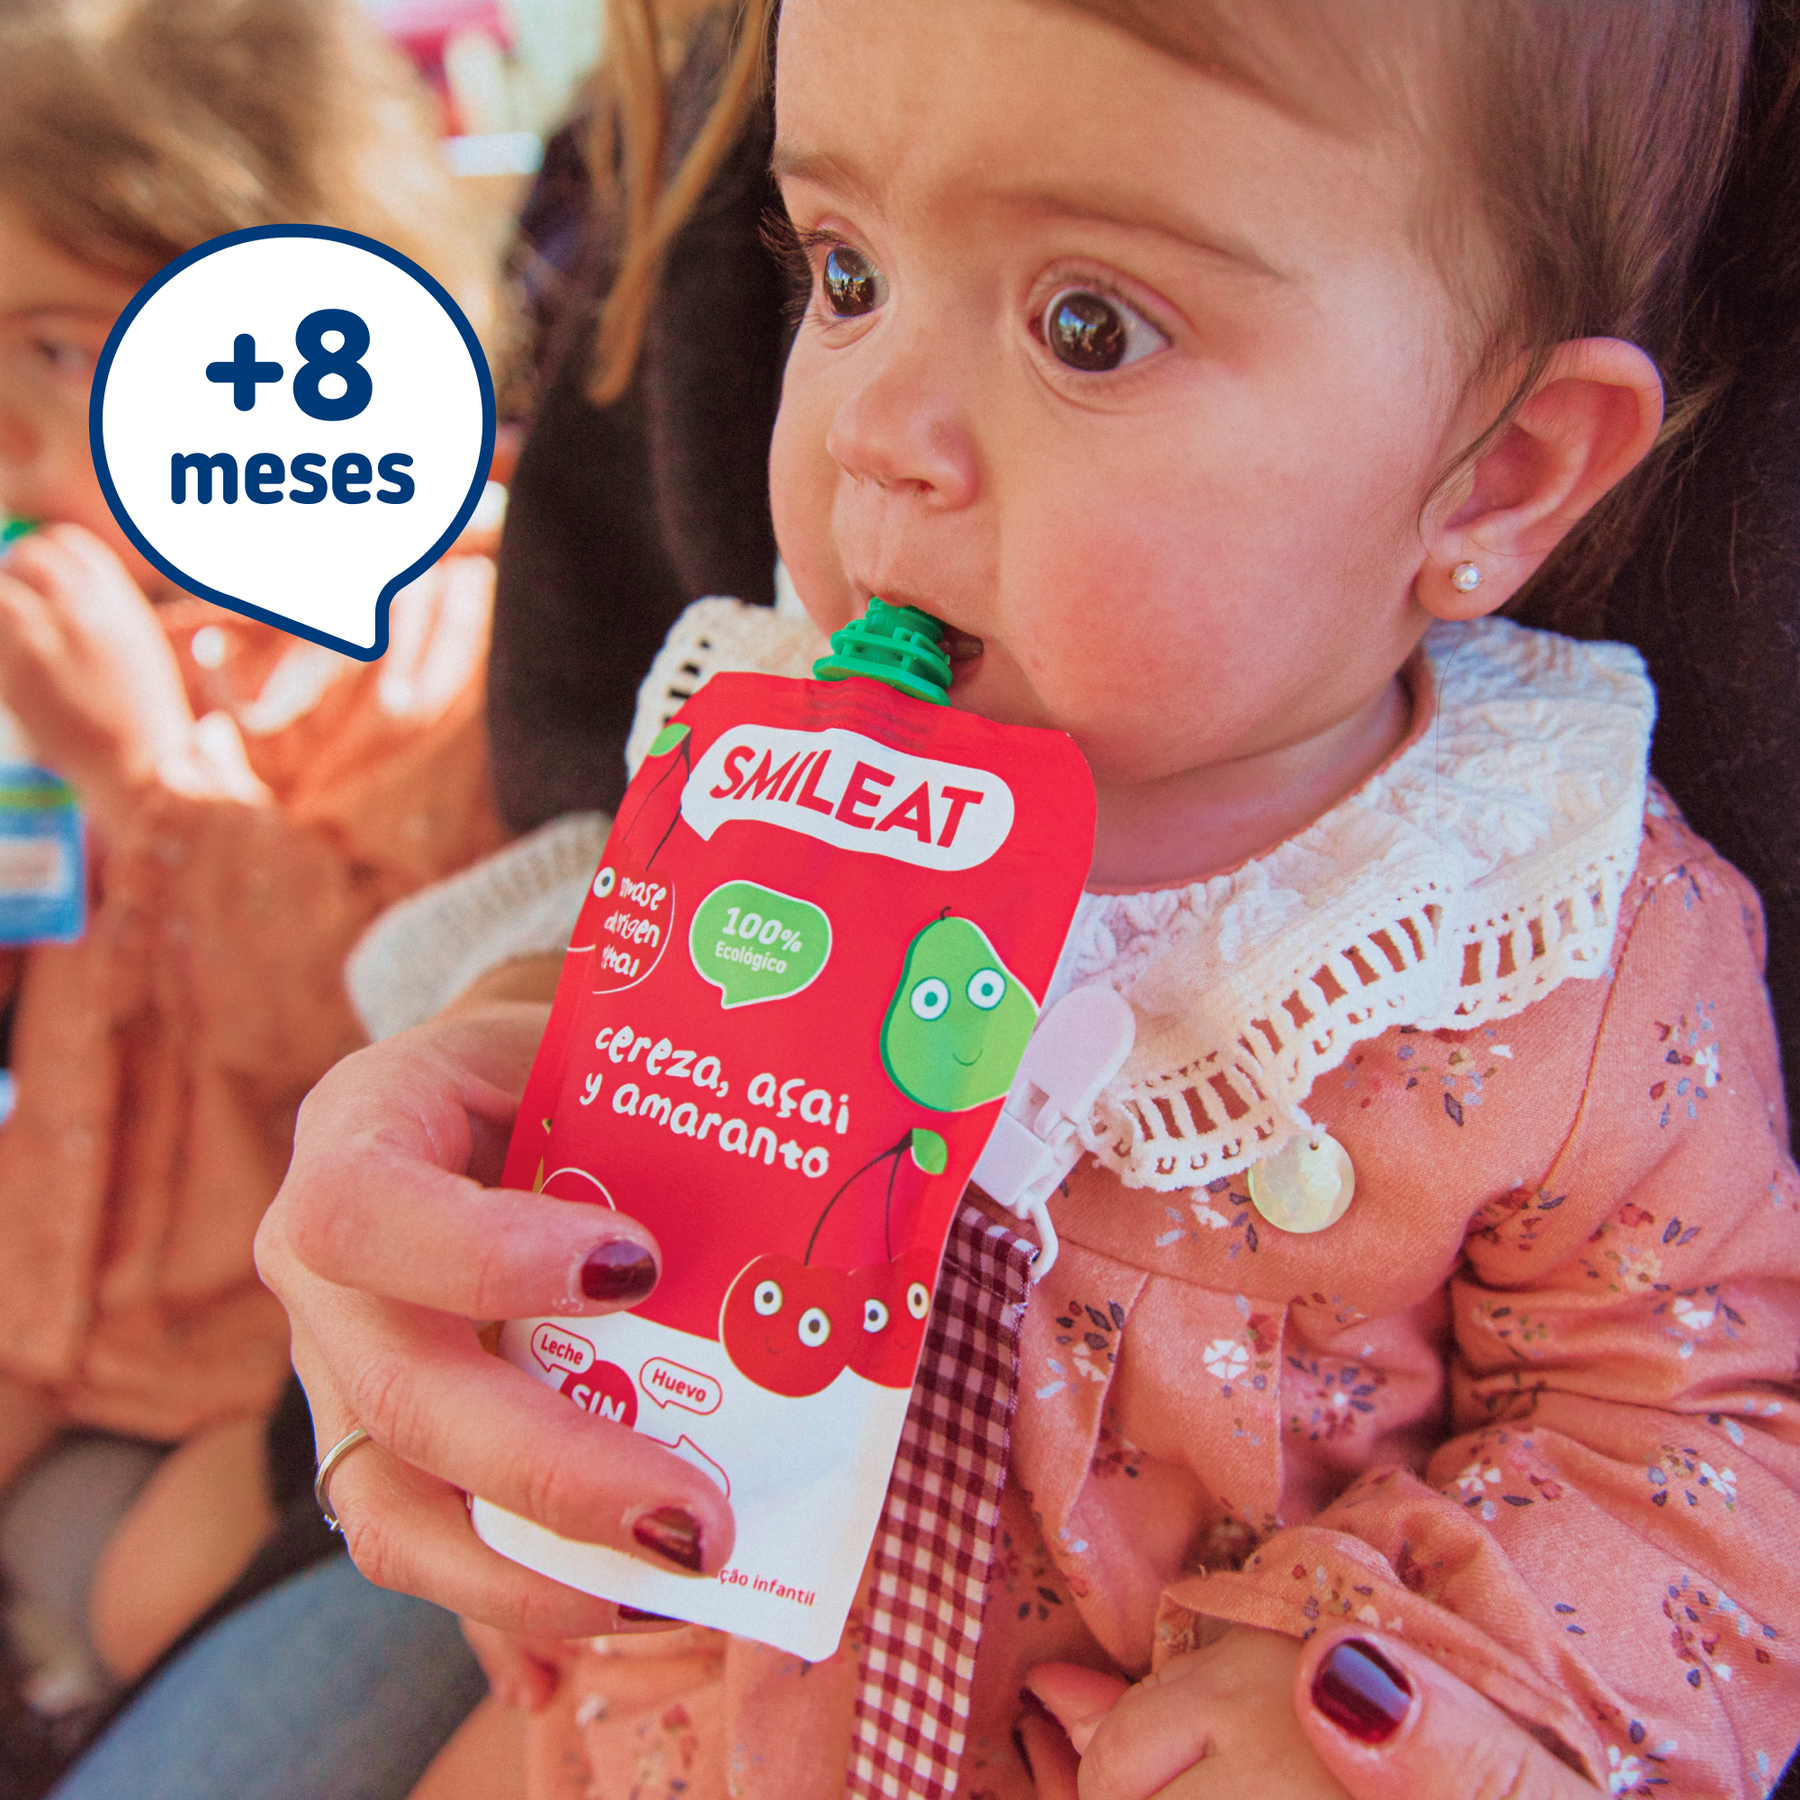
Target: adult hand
87	670
1385	1720
384	1242
1389	1722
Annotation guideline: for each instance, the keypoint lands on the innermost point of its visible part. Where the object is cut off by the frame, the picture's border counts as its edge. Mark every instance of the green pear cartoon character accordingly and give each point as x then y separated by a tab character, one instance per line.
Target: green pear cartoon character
958	1022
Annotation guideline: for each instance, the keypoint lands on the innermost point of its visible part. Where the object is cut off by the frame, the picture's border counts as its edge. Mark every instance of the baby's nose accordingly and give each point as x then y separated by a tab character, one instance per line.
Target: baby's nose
905	429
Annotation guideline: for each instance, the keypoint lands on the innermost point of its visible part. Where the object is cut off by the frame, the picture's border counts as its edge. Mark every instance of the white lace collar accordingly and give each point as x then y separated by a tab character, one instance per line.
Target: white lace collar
1480	869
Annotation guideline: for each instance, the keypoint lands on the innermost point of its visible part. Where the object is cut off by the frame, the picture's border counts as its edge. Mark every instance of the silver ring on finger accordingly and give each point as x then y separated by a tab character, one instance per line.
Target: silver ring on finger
328	1467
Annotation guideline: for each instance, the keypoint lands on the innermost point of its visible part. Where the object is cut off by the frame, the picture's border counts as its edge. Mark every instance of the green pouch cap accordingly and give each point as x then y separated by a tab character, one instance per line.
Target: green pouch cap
896	644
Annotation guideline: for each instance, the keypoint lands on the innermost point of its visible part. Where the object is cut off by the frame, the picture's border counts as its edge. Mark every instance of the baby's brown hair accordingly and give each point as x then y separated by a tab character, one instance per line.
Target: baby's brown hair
1589	141
132	130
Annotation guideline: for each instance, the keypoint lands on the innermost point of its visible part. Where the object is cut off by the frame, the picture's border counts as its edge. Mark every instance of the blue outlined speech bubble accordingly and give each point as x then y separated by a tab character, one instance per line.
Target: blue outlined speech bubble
294	421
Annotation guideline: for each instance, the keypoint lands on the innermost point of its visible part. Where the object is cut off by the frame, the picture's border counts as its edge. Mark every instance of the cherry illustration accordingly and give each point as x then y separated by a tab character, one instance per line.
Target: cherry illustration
929	1154
792	1326
789	1326
895	1302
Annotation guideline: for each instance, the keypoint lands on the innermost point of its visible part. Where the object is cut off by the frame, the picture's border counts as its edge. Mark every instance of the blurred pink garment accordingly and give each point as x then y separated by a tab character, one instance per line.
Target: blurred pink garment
161	1059
1531	1402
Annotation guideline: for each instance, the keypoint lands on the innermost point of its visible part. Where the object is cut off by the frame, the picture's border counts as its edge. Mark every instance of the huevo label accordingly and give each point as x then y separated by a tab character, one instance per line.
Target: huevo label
872	892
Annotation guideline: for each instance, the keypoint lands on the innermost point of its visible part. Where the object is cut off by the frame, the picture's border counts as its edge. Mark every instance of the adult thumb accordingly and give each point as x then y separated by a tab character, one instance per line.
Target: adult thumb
1389	1723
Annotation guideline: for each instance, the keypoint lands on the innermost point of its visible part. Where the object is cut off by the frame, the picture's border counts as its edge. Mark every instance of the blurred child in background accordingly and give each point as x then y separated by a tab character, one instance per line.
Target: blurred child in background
252	800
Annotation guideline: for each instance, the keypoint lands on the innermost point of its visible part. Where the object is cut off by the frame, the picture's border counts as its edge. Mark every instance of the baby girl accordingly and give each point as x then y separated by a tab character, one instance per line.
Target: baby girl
1217	374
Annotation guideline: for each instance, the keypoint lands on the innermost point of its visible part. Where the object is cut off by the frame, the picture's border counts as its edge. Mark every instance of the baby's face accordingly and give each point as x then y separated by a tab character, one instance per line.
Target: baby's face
55	314
1110	366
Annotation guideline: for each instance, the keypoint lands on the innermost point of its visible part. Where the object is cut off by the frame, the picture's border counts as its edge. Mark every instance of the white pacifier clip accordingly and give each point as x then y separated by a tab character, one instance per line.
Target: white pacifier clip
1079	1045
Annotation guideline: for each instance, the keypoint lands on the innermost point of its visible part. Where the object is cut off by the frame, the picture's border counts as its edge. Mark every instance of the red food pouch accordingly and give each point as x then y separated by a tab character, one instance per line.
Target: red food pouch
793	1004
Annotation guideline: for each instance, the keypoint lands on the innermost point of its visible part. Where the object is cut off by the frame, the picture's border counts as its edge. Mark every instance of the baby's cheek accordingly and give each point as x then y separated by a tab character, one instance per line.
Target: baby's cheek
802	485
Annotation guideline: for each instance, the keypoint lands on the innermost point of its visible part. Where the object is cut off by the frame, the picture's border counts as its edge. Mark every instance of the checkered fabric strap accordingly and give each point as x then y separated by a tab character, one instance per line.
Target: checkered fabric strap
935	1542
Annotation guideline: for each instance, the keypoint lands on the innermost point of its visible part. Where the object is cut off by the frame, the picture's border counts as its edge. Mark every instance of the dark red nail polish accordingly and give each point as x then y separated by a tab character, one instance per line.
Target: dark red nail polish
619	1272
1361	1692
635	1615
671	1534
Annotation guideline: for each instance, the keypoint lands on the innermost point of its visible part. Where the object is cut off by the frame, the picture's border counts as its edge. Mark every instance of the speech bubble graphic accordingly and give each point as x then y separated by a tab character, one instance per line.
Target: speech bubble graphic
673	1384
293	421
755	944
685	1447
559	1350
633	930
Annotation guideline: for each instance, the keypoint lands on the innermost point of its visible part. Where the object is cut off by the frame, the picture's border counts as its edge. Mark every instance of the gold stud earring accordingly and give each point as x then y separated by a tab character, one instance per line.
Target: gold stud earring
1465	578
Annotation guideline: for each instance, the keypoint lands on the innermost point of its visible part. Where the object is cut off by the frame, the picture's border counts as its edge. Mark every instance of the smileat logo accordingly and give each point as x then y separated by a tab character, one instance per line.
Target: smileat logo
851	792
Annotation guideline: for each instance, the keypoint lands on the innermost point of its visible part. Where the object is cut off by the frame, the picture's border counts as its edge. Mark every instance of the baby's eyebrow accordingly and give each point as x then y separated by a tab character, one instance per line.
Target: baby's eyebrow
789	164
64	310
1100	205
1110	206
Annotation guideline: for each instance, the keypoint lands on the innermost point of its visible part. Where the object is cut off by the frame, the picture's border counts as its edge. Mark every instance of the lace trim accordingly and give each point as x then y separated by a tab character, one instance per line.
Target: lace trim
1237	1102
713	634
1484	867
521	901
1481	869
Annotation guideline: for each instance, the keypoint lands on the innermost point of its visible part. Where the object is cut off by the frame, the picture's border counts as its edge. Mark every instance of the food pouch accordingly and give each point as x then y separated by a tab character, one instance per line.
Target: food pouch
43	879
795	999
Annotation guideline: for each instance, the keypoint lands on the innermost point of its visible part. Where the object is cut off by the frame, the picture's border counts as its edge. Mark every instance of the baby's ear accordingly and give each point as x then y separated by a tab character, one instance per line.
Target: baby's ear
1588	422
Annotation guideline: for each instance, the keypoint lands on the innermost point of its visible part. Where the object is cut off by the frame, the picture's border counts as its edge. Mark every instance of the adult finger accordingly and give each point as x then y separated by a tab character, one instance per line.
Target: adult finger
1390	1723
408	1531
377	1196
421	1385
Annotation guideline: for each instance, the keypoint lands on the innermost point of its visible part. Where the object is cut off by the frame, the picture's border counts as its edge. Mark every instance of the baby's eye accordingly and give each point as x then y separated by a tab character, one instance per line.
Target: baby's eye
852	284
63	358
1095	333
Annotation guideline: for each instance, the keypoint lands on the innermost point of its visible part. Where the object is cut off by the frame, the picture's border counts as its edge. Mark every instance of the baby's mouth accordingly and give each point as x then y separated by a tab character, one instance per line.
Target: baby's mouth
964	652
